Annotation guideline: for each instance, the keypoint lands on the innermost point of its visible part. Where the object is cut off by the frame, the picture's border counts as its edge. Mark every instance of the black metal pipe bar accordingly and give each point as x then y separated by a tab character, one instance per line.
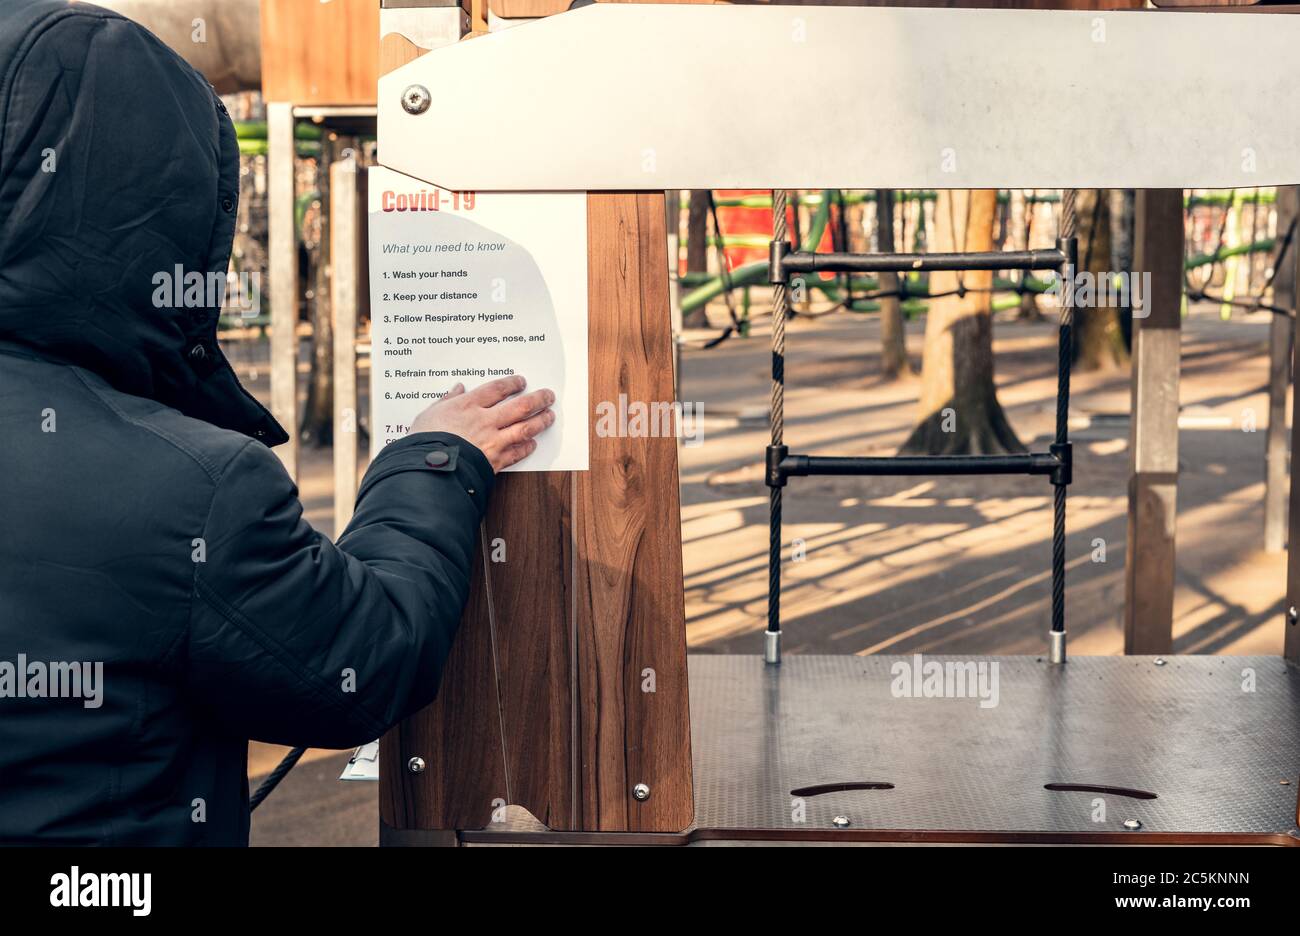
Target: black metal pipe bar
1030	463
805	262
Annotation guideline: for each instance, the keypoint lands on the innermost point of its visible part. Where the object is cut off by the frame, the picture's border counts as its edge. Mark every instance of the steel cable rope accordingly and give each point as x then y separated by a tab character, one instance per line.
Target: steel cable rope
1063	361
274	777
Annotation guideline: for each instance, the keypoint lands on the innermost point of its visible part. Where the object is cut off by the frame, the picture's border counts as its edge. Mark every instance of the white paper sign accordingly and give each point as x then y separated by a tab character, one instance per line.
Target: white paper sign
467	287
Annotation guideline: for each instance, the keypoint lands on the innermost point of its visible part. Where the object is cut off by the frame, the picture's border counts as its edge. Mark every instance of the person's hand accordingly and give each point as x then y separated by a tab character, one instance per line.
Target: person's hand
491	417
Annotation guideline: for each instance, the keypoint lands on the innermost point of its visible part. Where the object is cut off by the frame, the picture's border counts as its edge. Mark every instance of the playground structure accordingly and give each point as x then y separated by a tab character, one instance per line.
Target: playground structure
542	706
313	97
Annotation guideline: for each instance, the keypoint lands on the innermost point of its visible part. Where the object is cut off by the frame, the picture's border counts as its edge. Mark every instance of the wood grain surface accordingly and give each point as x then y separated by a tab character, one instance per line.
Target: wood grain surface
320	53
544	703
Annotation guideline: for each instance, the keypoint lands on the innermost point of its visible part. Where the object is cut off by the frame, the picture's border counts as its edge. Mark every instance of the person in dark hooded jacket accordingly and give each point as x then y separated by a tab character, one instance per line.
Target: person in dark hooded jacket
162	600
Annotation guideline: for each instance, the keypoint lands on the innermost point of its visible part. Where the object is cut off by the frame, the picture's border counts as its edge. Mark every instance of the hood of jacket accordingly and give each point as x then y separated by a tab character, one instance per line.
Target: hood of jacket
119	184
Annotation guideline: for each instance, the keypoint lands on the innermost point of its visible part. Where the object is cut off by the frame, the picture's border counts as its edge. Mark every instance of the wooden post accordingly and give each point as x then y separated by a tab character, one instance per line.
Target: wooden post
1153	434
1280	336
1291	614
673	213
282	258
478	17
346	251
566	685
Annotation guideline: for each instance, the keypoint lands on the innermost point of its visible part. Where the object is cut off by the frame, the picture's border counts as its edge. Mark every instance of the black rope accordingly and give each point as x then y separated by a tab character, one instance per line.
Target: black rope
1198	295
273	779
1219	245
712	342
1256	301
1281	255
727	283
724	268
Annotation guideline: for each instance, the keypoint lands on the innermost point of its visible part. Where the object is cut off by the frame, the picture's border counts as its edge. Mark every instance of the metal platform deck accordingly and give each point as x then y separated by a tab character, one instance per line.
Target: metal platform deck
1216	739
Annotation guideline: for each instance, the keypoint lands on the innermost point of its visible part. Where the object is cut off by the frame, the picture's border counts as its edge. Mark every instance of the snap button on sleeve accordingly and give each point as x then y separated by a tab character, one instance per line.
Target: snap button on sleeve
437	459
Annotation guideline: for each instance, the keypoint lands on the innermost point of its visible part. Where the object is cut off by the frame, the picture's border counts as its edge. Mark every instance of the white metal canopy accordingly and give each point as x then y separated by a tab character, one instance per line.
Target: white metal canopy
628	96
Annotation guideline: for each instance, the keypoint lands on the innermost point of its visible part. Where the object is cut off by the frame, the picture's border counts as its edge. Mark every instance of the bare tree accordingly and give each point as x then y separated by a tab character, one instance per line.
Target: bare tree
959	409
697	247
1099	342
893	338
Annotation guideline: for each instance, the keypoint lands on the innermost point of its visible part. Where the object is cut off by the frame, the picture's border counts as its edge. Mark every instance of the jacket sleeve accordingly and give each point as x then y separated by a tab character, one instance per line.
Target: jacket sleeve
296	640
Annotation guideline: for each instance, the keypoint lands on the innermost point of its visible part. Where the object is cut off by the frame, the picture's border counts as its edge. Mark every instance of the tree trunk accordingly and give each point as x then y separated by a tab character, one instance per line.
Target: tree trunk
893	340
1099	343
697	248
1022	211
959	410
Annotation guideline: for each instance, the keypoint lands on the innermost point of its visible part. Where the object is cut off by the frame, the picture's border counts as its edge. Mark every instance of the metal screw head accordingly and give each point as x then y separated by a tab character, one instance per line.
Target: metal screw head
641	792
416	99
415	765
841	822
1160	661
1292	615
1132	824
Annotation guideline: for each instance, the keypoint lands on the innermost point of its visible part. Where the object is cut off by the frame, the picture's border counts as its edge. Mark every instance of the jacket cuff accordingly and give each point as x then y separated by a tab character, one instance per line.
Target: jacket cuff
441	453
